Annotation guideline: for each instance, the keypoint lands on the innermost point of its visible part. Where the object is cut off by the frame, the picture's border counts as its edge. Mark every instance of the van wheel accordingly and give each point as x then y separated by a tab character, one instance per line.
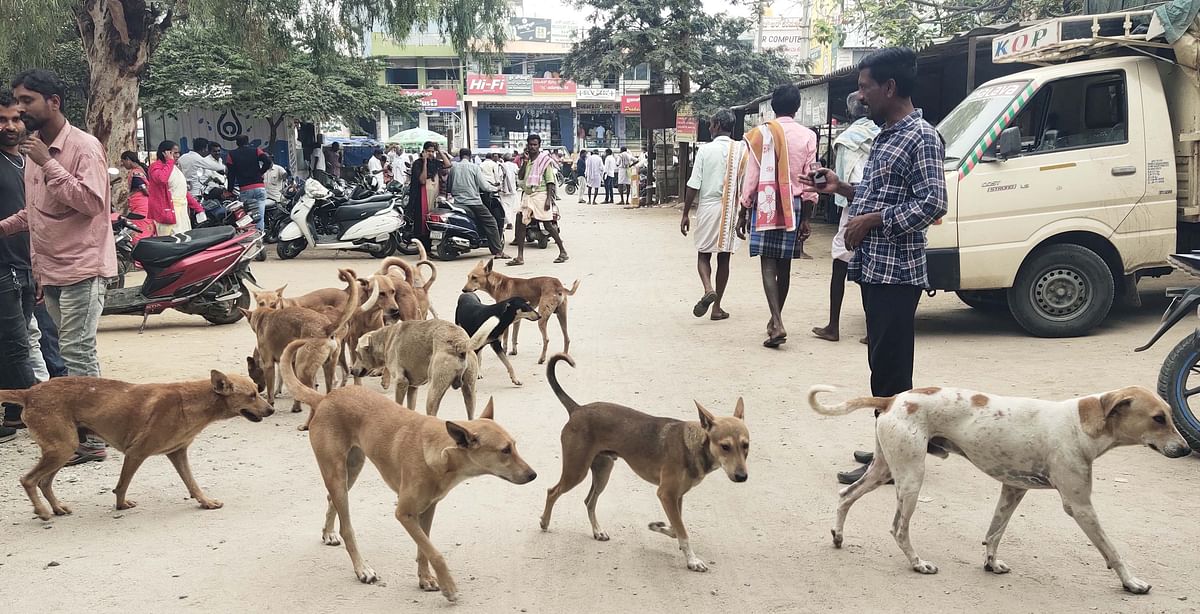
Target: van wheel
987	301
1062	291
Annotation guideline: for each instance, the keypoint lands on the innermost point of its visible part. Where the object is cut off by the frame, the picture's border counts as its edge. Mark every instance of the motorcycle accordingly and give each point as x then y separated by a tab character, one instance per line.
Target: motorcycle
326	220
124	232
202	272
1184	360
452	230
568	180
279	214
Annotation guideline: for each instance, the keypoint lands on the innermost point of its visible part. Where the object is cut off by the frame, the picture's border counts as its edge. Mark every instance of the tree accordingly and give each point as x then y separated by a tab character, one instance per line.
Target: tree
203	68
119	37
917	22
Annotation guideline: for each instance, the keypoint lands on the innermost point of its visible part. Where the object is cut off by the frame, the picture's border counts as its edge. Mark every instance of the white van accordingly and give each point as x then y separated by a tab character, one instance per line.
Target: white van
1067	183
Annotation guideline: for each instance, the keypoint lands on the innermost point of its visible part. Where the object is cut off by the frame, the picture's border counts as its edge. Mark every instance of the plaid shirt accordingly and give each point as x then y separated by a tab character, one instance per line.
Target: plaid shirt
905	181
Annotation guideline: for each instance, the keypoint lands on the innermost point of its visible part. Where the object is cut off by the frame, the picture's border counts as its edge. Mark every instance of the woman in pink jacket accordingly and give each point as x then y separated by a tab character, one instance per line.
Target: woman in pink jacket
163	209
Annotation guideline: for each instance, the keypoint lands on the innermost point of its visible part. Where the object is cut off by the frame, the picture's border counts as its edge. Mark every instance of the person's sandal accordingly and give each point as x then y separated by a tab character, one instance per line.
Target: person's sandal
87	455
514	262
561	259
704	303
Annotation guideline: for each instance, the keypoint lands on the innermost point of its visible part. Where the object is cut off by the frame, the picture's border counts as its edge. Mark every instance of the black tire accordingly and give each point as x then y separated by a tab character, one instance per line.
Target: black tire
290	249
383	250
408	247
571	188
543	241
123	268
233	313
1172	386
445	251
987	301
1062	291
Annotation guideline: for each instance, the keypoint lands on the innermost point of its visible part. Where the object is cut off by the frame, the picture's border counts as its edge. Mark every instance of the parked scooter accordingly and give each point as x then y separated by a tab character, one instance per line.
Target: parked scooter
325	220
279	214
452	230
1183	363
201	272
124	233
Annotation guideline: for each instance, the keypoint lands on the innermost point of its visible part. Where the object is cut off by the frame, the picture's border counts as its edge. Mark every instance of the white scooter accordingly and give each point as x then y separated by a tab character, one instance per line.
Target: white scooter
325	221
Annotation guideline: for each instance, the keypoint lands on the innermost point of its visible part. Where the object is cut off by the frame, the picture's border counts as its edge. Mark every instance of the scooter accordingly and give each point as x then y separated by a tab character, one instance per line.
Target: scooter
326	221
1183	363
452	230
202	272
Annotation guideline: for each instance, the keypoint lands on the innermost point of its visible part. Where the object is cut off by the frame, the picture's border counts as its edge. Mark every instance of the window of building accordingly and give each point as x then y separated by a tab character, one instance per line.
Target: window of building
404	77
641	72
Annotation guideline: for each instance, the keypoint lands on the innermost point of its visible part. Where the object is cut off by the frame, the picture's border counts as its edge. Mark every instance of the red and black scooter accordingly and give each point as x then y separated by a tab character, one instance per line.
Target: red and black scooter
201	272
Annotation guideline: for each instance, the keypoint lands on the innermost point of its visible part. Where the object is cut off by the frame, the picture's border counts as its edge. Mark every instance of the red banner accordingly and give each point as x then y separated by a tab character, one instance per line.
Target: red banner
553	86
436	99
631	105
487	85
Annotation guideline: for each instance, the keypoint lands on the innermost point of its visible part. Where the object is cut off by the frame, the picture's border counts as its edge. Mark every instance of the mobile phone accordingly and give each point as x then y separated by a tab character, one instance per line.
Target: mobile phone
817	174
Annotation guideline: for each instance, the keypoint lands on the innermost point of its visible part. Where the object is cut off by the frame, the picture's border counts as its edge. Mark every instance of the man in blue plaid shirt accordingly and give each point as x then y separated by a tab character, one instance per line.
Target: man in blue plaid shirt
902	193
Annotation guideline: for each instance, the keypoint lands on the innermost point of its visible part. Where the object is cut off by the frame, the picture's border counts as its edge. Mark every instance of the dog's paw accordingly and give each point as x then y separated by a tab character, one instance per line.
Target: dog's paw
512	352
997	566
330	539
366	575
697	565
600	536
126	504
837	538
302	427
1137	587
60	510
211	504
925	567
450	591
429	584
296	409
42	514
542	360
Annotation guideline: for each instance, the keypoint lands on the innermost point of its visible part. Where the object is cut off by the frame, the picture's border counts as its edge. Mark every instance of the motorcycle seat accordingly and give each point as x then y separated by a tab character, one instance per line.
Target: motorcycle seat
164	251
374	198
355	212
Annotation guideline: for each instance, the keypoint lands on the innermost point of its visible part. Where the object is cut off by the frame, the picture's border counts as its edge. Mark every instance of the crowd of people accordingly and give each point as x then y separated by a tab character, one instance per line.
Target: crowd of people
888	181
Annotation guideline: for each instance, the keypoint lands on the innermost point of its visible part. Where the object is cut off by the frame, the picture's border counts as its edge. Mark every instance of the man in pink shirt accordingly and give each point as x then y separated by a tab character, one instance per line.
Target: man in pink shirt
775	207
67	216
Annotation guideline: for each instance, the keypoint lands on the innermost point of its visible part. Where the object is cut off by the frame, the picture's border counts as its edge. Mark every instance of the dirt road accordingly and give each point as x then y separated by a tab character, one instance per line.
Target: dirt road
636	342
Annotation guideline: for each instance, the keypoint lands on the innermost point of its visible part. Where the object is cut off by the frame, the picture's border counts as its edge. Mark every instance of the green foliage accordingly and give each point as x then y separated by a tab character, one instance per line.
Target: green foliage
676	38
918	22
199	67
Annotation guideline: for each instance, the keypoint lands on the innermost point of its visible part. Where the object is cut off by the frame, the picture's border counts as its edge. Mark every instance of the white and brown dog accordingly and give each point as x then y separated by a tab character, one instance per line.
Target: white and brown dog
1023	443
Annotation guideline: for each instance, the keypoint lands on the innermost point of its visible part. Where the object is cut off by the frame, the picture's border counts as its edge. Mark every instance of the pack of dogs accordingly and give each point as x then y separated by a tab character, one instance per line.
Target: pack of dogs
384	325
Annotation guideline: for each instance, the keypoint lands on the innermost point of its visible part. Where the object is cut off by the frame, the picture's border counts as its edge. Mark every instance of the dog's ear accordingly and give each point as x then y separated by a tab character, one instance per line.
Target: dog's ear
280	290
1094	413
739	411
462	437
706	417
220	383
488	267
489	412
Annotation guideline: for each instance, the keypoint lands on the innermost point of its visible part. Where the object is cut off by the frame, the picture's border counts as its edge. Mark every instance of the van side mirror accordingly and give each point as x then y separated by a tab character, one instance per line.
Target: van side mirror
1009	145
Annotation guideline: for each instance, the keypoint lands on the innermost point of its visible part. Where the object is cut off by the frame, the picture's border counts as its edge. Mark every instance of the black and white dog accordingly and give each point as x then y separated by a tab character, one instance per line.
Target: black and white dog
474	316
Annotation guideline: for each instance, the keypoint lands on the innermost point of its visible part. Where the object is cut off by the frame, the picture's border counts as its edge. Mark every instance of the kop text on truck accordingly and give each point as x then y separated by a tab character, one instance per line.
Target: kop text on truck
1070	182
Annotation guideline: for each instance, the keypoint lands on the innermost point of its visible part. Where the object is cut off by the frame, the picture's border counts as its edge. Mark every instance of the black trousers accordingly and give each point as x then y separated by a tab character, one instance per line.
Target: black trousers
890	311
16	309
608	188
49	342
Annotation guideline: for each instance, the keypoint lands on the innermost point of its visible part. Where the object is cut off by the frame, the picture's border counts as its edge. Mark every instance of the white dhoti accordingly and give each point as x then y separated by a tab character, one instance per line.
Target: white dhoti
511	203
714	229
840	251
533	207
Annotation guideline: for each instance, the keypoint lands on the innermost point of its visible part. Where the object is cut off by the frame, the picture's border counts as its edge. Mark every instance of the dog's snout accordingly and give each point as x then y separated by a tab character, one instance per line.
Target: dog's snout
1177	451
740	476
466	289
270	411
531	476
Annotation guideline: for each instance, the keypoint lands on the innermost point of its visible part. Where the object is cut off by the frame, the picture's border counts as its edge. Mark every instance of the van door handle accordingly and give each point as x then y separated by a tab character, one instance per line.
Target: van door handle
1122	171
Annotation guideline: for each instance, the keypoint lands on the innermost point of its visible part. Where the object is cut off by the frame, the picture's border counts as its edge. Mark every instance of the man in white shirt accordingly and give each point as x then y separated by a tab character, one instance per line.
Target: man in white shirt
316	163
510	196
610	175
196	165
274	179
375	168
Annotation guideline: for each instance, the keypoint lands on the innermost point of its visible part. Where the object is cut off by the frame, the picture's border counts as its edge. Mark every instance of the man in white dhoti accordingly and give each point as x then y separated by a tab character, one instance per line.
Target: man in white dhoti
716	182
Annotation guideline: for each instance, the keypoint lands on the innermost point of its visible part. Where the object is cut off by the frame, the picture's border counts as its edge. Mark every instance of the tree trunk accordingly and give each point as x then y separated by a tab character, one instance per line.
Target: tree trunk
118	37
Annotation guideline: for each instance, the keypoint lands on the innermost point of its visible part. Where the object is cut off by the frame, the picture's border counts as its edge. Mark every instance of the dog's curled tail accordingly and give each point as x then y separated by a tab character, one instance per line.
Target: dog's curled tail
352	289
562	395
423	258
841	409
571	292
302	393
16	397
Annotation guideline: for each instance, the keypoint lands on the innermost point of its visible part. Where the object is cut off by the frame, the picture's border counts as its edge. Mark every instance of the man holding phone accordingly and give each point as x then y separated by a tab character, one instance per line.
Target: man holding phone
536	180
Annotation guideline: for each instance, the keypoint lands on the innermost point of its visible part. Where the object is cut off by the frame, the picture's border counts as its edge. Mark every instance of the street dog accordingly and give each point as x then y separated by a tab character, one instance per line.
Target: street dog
671	454
140	420
420	457
411	276
493	320
1023	443
314	354
275	328
419	352
385	304
548	294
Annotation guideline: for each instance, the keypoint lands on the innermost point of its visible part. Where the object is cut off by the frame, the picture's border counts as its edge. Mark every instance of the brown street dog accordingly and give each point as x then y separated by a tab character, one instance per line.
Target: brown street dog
1022	443
411	276
420	457
671	454
140	420
548	294
419	352
275	328
386	303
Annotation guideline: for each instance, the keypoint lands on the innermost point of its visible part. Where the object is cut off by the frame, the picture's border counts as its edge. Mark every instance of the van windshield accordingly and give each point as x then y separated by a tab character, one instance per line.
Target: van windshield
965	125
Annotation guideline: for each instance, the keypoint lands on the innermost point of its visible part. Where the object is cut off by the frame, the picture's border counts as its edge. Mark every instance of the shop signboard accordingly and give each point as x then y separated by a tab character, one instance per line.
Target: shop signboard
530	29
631	104
814	105
520	85
551	87
564	32
487	85
686	125
598	93
435	100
